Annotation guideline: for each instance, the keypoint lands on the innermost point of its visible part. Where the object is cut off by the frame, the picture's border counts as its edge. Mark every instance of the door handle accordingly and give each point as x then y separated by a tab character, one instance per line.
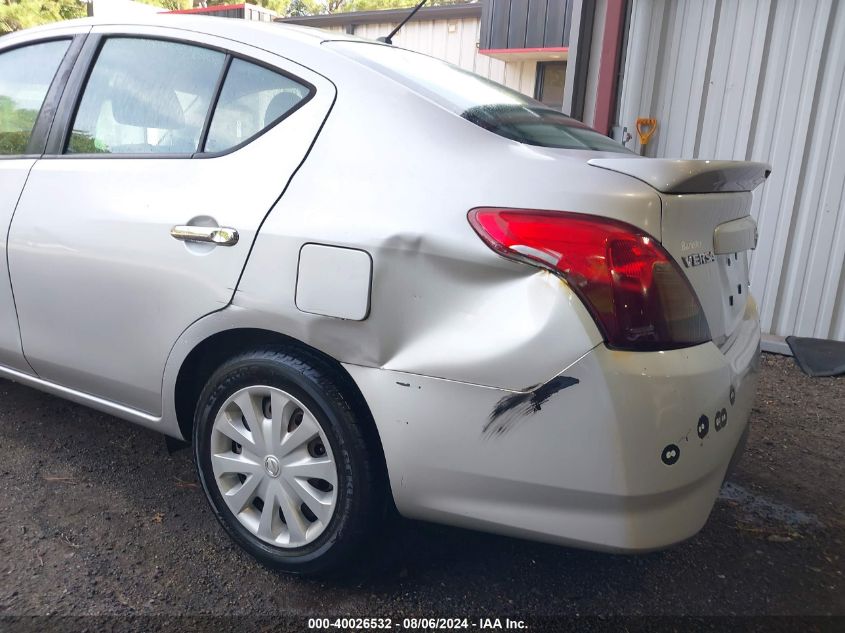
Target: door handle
217	235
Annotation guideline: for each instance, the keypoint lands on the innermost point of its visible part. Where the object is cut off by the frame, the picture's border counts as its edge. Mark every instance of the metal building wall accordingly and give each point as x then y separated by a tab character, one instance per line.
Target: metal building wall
456	41
757	80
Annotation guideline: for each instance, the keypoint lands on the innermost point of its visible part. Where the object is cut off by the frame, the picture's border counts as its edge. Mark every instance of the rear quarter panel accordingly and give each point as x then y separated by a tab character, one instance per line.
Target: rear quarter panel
395	175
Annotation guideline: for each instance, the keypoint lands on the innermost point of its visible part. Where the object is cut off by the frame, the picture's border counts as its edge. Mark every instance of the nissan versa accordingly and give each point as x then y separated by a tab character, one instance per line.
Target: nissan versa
353	276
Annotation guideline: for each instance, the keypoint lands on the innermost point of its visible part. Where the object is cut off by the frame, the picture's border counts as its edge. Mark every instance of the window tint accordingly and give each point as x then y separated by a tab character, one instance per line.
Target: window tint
146	97
253	98
490	105
25	77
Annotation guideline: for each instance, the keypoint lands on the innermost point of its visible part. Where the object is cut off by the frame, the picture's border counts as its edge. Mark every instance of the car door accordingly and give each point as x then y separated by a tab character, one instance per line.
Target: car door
129	230
30	83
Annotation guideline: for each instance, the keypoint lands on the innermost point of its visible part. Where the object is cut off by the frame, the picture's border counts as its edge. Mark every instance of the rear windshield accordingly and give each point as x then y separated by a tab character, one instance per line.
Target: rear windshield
487	104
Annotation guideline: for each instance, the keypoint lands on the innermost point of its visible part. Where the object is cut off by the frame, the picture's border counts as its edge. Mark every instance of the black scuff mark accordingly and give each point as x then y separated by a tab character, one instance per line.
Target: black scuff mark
515	407
403	384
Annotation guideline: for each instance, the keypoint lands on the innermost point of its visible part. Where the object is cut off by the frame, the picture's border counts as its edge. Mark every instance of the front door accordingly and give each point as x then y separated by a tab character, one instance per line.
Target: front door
142	220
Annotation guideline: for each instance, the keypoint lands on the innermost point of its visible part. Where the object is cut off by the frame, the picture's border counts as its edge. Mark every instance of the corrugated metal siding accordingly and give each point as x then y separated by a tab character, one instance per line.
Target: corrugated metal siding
758	80
455	41
525	23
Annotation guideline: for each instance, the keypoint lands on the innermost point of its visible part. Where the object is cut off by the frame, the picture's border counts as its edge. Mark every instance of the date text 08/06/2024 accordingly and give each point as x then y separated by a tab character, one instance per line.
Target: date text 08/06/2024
357	624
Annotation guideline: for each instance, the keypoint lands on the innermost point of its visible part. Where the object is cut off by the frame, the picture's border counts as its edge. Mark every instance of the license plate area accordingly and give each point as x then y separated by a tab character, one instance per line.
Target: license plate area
733	270
690	225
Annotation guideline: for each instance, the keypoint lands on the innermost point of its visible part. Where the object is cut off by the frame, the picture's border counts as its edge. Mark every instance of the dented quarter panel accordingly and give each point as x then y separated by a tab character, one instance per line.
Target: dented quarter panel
442	303
586	467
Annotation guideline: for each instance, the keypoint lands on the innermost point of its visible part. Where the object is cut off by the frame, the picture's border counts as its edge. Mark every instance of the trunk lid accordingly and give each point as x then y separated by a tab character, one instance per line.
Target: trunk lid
706	227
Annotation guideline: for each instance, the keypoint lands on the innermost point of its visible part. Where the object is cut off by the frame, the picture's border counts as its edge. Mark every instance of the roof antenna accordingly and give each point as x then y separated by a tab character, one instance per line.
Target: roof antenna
389	38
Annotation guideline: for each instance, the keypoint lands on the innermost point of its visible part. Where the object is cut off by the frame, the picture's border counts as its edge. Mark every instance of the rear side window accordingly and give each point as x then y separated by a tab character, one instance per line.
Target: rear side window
25	77
146	97
253	98
487	104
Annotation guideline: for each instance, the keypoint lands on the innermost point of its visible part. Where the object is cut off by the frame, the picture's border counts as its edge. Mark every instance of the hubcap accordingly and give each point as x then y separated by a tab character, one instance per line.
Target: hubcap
274	466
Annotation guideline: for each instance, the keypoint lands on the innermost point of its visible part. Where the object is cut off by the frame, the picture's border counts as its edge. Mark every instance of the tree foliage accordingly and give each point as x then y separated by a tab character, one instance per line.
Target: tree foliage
22	14
15	126
298	8
169	5
373	5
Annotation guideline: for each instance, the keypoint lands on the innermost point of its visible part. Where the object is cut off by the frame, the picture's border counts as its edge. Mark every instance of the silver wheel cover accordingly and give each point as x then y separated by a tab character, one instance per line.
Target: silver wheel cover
273	466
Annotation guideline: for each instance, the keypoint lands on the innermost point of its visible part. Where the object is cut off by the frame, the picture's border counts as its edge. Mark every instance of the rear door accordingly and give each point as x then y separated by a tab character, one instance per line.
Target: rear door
168	152
32	75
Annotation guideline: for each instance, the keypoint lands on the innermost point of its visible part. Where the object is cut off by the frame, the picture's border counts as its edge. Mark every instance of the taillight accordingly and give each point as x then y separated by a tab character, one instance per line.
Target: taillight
638	296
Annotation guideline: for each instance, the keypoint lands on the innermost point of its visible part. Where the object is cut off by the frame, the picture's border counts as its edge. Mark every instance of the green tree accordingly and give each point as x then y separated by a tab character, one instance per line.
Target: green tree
22	14
169	5
279	6
298	8
15	126
343	6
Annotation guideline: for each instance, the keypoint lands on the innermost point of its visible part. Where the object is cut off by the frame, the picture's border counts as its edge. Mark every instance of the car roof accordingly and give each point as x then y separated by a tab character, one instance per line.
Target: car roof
246	31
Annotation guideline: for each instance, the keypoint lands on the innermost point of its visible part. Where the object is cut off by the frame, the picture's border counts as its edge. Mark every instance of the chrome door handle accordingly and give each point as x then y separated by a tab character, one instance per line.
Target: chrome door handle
218	235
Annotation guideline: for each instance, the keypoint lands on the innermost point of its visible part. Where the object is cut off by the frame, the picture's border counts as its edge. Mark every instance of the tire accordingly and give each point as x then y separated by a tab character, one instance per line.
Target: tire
309	539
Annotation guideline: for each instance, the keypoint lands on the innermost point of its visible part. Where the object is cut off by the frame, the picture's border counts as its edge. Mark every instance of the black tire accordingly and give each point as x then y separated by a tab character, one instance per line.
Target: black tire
360	489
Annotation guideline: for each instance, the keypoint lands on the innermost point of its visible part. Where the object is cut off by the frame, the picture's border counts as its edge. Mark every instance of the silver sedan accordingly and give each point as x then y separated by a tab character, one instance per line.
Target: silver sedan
354	277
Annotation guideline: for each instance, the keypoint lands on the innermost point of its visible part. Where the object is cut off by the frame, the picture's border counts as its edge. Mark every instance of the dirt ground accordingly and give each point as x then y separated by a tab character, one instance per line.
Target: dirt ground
96	518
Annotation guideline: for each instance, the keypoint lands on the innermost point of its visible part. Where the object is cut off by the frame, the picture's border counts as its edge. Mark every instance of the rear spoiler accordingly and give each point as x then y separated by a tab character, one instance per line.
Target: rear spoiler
690	176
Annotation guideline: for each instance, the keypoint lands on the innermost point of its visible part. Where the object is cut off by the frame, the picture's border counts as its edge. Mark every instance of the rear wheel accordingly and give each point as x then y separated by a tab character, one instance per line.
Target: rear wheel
284	461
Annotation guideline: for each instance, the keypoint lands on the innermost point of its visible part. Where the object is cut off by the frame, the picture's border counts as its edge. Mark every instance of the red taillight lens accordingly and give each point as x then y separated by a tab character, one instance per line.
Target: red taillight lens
637	294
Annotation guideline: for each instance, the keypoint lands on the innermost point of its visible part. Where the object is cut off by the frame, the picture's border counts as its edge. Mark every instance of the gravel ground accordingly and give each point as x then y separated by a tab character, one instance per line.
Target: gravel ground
97	519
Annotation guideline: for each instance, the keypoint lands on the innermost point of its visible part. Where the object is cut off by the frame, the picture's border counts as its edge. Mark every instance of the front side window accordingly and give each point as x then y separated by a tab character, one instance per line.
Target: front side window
253	98
146	97
25	77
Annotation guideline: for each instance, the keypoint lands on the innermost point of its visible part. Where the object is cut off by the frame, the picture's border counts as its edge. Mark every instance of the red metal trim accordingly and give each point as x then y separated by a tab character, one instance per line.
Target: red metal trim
520	51
215	8
608	64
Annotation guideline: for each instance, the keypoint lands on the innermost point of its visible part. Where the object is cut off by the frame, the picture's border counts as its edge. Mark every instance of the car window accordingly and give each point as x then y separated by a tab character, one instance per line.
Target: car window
25	77
489	105
253	98
146	97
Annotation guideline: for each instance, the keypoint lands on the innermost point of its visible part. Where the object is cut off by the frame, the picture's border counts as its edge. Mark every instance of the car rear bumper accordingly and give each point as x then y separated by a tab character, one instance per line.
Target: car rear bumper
622	451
